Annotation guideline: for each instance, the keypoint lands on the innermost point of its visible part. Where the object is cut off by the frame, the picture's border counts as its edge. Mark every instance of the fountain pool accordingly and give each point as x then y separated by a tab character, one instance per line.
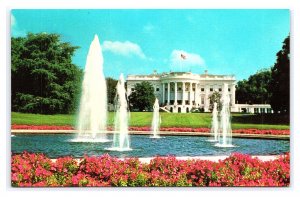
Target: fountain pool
57	145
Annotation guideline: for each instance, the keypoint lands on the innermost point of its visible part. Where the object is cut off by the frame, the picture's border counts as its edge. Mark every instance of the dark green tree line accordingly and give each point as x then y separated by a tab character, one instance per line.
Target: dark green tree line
255	89
280	81
269	86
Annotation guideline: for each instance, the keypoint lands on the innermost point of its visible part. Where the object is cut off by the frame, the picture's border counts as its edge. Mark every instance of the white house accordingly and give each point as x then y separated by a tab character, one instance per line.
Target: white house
179	92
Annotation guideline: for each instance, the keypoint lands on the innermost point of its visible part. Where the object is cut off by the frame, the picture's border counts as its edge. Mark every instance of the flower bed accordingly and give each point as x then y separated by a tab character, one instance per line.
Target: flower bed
41	127
29	169
173	129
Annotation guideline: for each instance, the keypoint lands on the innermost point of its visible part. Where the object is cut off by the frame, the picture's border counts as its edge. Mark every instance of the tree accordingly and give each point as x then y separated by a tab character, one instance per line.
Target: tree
280	82
111	89
142	98
44	80
215	97
255	89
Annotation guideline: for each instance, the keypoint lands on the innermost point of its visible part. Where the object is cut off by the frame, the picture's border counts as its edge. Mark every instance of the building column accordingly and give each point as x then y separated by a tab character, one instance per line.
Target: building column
191	89
206	100
196	95
163	93
175	96
232	89
183	90
168	93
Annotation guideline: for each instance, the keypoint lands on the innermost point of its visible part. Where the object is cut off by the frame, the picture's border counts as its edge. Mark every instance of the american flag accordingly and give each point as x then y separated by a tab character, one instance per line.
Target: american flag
182	56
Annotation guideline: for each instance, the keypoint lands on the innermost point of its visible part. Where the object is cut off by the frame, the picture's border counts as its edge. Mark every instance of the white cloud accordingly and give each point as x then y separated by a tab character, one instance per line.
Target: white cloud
126	48
190	61
15	30
12	21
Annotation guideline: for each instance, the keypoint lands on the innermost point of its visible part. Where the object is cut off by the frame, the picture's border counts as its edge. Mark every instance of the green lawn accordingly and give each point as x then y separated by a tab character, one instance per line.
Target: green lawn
266	121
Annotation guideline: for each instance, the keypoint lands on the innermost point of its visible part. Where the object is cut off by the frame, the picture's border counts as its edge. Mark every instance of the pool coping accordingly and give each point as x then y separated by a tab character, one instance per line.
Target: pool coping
217	158
163	133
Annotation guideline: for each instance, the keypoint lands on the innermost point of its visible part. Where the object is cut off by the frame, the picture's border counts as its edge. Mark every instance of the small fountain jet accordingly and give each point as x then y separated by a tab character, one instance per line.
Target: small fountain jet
225	139
121	140
155	120
215	125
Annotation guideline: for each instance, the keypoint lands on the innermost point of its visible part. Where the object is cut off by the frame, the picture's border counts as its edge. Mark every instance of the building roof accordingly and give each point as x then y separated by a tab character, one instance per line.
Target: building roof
156	75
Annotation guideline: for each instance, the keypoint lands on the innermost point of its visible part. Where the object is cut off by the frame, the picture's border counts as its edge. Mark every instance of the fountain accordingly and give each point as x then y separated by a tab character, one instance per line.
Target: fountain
215	124
155	120
93	103
225	139
121	138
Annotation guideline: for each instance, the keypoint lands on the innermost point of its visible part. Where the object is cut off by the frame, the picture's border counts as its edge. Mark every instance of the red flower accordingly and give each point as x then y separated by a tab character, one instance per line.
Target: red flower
237	170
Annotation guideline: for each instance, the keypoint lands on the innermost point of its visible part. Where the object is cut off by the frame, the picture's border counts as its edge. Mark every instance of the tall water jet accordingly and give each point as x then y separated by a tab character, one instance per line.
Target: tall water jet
155	120
93	103
121	140
215	124
225	139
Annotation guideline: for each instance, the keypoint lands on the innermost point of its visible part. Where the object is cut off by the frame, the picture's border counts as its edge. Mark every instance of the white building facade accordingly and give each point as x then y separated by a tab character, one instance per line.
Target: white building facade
182	92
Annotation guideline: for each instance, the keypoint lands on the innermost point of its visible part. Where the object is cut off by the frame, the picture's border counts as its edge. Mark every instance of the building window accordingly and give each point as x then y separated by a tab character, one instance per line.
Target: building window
202	89
172	89
194	89
179	89
228	89
202	101
132	89
211	89
157	89
220	89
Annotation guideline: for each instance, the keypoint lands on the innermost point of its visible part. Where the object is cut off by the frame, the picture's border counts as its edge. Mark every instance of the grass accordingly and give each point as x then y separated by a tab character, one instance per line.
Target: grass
265	121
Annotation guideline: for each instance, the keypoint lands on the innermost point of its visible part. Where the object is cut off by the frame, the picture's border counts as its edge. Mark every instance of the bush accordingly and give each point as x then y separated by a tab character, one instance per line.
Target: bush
237	170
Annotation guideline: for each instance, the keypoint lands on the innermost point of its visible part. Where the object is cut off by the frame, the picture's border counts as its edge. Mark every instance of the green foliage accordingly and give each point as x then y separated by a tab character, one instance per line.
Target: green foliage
255	89
44	80
280	83
215	97
111	89
269	86
142	98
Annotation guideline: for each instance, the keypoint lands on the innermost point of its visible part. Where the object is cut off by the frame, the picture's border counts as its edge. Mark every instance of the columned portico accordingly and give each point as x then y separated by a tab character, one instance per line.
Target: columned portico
180	92
206	100
190	94
163	93
196	96
183	93
175	96
232	90
168	103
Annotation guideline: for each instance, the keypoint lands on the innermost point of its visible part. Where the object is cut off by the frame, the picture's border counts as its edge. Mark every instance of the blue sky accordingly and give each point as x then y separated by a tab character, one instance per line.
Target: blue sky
238	42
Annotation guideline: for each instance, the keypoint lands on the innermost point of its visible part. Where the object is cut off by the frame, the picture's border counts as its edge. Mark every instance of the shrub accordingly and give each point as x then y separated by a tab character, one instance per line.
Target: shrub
36	170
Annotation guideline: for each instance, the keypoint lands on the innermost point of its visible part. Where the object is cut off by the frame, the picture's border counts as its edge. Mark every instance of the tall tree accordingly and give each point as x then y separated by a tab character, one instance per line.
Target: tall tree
280	83
255	89
142	98
44	80
215	97
111	89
